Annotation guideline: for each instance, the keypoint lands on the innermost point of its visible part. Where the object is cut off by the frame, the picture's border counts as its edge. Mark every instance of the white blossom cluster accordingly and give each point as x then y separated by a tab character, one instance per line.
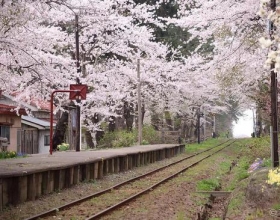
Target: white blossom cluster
37	52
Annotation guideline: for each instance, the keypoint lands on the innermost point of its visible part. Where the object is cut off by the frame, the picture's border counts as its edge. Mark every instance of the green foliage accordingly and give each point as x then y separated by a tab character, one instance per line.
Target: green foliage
177	123
150	135
267	162
203	145
223	124
8	154
104	126
63	147
224	167
240	172
108	138
167	115
118	139
234	204
276	206
126	139
238	198
168	9
255	148
155	120
242	175
144	142
242	169
208	185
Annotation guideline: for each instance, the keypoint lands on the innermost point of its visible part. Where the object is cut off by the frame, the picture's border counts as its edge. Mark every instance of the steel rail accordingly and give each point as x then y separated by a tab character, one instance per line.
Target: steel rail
78	201
112	208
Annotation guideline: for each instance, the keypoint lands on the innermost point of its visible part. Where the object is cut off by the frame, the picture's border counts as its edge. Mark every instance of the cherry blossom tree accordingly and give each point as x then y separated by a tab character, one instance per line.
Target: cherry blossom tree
37	54
28	61
234	29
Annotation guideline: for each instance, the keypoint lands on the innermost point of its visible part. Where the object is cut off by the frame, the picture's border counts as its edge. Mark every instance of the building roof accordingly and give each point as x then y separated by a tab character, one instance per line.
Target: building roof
35	104
35	122
10	110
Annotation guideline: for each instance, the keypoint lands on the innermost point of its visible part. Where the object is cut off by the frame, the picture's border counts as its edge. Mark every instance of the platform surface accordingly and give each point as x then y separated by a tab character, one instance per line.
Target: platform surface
39	162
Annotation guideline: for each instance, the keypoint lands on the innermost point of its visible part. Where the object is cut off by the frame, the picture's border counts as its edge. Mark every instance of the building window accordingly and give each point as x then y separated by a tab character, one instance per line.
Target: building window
5	131
47	140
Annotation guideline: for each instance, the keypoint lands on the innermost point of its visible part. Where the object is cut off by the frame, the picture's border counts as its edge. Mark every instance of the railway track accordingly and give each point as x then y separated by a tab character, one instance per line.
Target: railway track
93	207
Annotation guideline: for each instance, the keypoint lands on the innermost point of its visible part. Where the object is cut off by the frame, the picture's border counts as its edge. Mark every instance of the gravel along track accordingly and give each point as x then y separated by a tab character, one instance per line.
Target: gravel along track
114	197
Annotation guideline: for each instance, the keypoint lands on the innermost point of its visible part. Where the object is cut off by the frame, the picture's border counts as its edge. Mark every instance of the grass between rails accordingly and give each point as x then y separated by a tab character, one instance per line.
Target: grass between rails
211	184
195	147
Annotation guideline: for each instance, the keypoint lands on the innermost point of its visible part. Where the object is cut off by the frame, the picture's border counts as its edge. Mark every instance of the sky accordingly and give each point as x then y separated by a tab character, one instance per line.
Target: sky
244	126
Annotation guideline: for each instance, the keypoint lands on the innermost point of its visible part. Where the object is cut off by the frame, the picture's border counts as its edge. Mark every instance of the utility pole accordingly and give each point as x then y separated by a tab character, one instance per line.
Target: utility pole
273	77
78	126
214	125
198	125
254	122
204	125
139	104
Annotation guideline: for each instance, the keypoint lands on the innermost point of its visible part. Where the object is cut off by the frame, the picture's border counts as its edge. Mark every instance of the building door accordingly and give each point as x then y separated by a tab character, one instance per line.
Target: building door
27	141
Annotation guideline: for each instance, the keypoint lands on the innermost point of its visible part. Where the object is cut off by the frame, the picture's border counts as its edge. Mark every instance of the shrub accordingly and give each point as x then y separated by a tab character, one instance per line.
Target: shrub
126	139
150	135
144	142
256	148
118	139
242	169
8	154
107	140
208	185
63	147
274	177
267	162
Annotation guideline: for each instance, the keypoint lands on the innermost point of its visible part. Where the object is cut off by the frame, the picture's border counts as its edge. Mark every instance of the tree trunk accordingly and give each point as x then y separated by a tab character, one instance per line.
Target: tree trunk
258	123
168	120
128	115
89	140
60	130
112	123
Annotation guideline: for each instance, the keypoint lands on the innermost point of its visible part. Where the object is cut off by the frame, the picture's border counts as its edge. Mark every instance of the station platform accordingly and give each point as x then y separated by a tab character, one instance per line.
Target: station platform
28	178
